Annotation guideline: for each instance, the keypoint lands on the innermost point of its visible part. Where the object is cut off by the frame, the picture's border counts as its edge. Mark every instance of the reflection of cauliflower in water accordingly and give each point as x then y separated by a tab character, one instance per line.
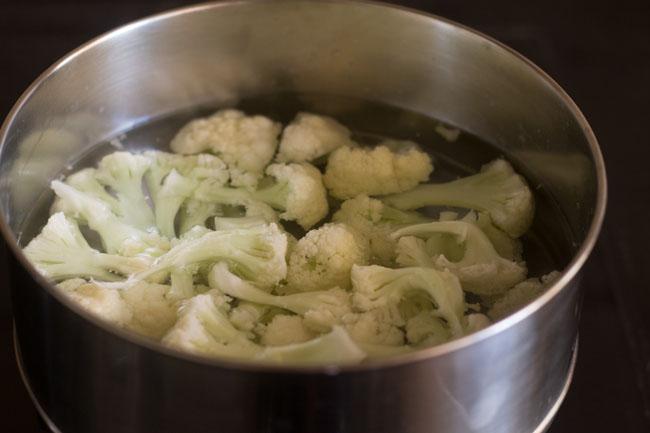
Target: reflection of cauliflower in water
193	253
310	136
376	171
246	143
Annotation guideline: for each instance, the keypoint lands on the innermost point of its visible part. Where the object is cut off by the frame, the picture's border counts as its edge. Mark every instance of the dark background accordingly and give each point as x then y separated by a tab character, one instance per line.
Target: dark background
598	51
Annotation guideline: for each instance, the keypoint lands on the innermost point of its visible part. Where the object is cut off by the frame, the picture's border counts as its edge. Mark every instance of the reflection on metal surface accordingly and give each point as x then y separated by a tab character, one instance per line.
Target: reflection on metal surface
23	376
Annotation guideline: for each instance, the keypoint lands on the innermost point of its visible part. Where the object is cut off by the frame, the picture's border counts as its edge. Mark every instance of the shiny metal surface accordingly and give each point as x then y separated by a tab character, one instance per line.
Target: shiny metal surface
92	378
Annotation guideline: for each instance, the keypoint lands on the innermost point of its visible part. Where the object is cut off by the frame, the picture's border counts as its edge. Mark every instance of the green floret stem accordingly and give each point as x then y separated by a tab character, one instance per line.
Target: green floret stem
275	195
462	193
98	216
478	247
61	252
336	347
195	213
396	216
168	200
221	278
244	250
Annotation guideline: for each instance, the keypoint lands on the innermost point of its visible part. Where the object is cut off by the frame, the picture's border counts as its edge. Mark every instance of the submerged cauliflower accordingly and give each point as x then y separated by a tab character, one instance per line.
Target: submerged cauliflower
376	171
324	257
246	143
311	136
223	254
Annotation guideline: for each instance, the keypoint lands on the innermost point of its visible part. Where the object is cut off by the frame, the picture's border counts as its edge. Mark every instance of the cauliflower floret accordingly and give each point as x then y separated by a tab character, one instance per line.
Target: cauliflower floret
306	197
324	257
375	171
104	302
479	267
203	328
379	326
310	136
153	314
297	190
246	143
497	190
375	221
285	329
322	309
257	254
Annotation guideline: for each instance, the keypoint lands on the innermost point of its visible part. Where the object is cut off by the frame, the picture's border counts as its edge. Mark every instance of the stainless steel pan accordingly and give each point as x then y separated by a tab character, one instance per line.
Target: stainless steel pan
89	377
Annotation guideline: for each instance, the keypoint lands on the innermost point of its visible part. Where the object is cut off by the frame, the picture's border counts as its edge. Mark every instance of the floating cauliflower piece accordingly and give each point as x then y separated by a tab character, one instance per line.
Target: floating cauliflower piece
379	287
477	264
246	143
203	327
311	136
297	190
123	173
105	303
324	257
172	180
257	253
117	236
376	171
60	251
375	222
497	190
321	309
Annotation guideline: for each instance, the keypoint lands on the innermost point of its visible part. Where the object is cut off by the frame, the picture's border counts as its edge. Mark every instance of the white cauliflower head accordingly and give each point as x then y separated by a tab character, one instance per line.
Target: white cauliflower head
311	136
305	198
324	257
246	143
375	171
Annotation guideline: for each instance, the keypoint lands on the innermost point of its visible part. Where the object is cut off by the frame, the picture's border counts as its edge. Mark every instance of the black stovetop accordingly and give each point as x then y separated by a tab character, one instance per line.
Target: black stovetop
599	53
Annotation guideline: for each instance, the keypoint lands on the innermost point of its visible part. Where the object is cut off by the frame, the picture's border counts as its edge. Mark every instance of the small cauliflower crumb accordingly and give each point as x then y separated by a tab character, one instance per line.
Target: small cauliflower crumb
448	133
324	257
311	136
246	143
375	171
285	329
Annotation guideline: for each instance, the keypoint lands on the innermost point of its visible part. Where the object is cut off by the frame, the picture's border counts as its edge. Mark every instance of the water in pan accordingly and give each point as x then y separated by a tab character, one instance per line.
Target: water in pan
546	247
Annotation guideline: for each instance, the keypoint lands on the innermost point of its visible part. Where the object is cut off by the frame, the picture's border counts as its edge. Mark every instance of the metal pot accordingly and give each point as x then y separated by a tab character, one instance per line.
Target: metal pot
89	377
